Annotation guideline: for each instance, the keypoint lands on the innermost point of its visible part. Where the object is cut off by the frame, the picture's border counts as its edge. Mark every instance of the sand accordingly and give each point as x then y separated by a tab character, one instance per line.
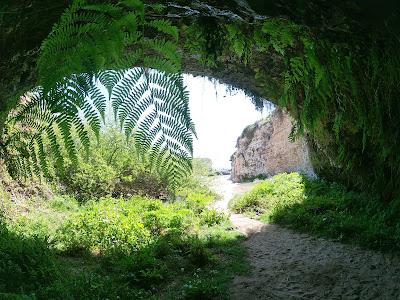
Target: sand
290	265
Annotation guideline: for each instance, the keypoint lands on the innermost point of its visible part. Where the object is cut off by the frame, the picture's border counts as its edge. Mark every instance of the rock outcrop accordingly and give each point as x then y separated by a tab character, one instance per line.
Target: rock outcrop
264	150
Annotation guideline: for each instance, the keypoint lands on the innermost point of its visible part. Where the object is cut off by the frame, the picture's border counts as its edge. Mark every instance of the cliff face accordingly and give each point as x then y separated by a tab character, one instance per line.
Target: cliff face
264	150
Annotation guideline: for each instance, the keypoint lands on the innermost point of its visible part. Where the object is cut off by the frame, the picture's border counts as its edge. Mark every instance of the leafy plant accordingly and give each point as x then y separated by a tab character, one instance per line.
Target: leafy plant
135	248
24	260
341	110
112	167
212	217
323	208
91	181
336	83
92	41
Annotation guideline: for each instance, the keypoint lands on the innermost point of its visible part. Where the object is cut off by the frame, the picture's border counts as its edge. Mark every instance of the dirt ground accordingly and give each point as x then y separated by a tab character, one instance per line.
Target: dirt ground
290	265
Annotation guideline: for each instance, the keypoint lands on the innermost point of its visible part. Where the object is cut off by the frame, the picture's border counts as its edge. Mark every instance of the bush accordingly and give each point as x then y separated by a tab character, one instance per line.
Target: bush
64	203
195	194
113	168
281	189
202	167
325	209
116	225
140	248
142	183
91	180
211	217
198	254
26	264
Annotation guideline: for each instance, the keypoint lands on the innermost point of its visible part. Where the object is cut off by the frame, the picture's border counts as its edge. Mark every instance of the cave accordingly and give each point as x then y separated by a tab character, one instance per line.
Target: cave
350	122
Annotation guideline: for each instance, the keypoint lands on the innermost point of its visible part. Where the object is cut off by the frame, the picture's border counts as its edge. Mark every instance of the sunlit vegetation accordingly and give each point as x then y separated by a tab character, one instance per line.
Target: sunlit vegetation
109	226
112	167
126	217
337	76
317	77
324	209
135	248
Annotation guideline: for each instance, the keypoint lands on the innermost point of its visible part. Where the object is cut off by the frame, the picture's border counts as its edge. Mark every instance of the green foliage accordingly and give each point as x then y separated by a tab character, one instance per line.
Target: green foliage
325	209
92	41
195	189
202	167
112	167
94	36
341	109
240	40
338	85
122	226
206	38
139	248
63	203
339	80
163	135
24	260
196	195
89	180
143	183
212	217
269	193
203	289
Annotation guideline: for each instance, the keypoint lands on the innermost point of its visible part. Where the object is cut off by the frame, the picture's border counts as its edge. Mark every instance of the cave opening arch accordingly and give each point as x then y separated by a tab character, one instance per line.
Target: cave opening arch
333	65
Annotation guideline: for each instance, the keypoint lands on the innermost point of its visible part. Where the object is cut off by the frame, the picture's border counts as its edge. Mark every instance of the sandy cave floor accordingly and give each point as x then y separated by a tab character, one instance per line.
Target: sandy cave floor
290	265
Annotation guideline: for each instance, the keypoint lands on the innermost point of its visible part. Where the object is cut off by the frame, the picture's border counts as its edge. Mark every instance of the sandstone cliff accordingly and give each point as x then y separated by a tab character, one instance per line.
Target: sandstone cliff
264	150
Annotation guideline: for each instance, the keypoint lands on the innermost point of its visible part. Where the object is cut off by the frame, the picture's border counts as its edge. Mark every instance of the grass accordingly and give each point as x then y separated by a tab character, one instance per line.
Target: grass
139	248
324	209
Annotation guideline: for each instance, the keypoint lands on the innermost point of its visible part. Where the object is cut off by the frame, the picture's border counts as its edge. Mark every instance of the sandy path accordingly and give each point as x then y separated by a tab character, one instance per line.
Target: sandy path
290	265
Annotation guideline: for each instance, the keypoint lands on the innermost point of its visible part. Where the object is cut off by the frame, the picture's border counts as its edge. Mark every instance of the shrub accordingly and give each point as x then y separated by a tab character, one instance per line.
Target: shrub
326	209
280	189
211	217
140	248
198	254
113	168
116	225
202	167
142	183
26	263
64	203
91	180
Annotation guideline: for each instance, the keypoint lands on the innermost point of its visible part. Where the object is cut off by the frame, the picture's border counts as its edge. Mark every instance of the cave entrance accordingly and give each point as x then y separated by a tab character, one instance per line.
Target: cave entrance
244	138
220	114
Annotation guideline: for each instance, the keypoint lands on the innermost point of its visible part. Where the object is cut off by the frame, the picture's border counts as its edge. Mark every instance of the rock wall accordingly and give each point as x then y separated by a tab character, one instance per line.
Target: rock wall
264	150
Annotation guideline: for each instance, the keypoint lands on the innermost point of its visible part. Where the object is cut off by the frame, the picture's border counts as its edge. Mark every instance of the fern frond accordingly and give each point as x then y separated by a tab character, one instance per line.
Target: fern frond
87	62
165	26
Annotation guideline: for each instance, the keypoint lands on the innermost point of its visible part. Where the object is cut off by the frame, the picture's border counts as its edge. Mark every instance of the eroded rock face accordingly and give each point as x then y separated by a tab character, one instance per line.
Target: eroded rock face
264	150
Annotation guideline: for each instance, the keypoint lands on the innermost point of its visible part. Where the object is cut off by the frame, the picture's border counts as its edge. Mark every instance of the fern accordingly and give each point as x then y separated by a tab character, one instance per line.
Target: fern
151	107
154	109
94	47
341	87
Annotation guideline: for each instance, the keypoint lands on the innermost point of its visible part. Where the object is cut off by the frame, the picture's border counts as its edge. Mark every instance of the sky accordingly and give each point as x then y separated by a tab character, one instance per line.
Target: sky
220	118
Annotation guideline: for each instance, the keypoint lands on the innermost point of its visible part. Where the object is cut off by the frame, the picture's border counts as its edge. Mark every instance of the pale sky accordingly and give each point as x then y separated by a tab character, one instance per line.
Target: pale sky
219	118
